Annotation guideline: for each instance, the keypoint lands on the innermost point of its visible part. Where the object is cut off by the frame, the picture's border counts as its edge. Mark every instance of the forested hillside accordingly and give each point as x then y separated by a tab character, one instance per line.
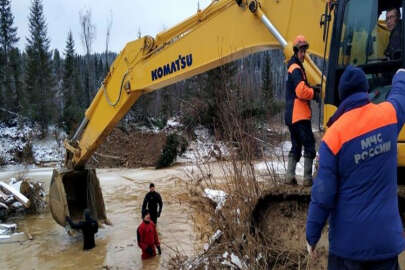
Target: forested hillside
53	86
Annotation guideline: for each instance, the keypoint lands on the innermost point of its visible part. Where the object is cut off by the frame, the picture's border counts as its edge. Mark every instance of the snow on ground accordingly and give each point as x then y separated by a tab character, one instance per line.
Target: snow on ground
14	139
7	228
217	196
235	262
173	122
278	161
204	148
47	150
16	184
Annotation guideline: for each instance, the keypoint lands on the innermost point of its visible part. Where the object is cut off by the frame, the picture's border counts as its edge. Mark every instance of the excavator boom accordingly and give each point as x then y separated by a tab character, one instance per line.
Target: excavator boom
221	33
225	31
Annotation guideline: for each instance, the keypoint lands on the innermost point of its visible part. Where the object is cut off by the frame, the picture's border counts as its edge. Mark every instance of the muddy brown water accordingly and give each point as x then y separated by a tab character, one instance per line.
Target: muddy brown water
123	190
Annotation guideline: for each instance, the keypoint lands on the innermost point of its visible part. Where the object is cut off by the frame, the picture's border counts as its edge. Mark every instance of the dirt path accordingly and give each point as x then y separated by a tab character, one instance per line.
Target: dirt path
123	190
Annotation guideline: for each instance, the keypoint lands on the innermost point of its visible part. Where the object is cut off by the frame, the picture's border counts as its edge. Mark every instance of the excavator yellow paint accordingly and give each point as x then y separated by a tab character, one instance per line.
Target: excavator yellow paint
225	31
217	35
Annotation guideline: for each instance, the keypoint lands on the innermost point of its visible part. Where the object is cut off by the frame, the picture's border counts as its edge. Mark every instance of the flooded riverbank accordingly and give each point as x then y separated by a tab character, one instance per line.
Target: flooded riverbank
124	190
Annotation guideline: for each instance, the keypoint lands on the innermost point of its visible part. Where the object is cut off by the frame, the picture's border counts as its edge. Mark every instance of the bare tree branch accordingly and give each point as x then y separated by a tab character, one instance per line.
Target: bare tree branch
88	30
88	34
107	38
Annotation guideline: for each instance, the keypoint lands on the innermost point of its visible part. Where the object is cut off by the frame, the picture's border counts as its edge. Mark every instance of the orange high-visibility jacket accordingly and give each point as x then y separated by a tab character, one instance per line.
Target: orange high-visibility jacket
298	93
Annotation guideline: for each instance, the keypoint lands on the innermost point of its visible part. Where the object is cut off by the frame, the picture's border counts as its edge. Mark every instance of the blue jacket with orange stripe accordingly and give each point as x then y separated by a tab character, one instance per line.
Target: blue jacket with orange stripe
298	93
356	185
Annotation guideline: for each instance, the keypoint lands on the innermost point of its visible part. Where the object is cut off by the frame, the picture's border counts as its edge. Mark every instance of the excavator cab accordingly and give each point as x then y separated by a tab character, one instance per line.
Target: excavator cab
213	37
361	37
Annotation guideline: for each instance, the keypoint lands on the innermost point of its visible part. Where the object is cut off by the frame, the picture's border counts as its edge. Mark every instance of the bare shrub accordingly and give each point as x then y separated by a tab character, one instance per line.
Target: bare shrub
35	192
2	161
175	145
239	246
25	154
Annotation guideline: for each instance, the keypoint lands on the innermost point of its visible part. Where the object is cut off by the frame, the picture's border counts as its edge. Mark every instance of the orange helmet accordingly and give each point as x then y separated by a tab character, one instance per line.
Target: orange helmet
300	42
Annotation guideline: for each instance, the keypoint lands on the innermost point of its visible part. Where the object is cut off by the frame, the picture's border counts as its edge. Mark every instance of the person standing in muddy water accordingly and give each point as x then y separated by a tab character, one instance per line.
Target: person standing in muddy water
153	203
147	237
356	185
89	228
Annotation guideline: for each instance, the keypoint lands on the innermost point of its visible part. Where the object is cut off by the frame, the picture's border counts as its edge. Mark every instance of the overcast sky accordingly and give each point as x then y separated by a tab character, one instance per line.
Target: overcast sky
150	16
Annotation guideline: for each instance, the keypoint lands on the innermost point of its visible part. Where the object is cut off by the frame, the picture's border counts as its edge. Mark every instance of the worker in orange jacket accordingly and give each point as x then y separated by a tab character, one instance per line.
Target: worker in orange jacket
298	113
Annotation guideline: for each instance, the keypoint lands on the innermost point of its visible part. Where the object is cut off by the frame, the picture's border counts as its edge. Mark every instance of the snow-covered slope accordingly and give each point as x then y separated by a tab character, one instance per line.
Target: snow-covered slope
17	139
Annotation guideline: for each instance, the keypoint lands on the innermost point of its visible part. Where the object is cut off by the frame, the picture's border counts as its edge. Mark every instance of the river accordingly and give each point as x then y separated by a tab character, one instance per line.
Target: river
123	190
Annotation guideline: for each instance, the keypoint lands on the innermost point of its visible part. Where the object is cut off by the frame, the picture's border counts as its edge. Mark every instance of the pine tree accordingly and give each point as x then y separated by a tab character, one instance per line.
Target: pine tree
71	110
57	65
38	69
8	39
267	79
15	65
8	33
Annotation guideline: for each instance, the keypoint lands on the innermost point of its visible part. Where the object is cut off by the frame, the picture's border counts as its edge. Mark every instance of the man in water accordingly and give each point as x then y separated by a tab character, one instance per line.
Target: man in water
151	203
89	228
147	237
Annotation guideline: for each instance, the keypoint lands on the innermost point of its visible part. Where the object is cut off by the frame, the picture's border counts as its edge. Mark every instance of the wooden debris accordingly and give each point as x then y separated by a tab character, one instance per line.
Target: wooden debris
12	191
8	228
29	236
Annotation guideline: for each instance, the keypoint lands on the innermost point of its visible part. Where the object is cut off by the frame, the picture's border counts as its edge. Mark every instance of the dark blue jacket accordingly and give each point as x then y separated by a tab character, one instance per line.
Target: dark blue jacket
356	185
298	93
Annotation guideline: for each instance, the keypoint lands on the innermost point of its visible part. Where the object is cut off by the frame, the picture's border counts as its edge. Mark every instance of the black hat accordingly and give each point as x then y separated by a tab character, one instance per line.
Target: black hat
353	80
145	212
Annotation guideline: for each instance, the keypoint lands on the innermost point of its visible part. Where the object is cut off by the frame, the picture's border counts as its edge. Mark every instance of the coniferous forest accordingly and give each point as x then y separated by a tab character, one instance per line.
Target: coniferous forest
54	86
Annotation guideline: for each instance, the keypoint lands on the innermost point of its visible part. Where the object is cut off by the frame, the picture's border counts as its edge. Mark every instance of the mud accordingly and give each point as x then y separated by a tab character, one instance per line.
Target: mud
283	225
280	218
129	150
52	248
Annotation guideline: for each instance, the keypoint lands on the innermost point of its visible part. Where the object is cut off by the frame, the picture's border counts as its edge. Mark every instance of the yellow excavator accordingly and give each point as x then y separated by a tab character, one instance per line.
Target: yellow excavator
341	32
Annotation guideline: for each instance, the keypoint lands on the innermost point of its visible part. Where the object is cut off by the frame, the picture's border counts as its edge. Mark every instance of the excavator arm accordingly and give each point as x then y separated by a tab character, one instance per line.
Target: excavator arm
223	32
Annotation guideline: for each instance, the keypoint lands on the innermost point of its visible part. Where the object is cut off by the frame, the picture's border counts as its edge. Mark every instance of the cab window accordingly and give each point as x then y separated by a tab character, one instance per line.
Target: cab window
372	39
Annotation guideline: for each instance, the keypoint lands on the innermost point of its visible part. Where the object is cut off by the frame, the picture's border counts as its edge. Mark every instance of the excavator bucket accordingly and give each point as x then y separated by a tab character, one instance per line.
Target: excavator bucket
72	191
